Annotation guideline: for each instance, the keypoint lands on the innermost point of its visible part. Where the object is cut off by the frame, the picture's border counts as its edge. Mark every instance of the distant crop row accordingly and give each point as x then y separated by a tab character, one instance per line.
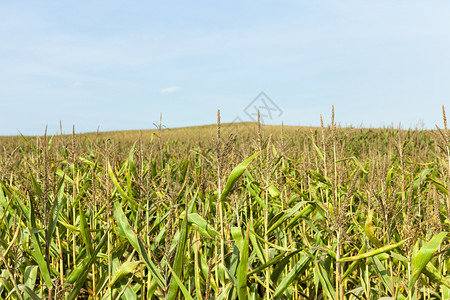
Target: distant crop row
252	213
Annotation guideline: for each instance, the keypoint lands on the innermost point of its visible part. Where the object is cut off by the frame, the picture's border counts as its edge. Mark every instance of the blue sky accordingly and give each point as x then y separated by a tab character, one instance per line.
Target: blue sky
119	64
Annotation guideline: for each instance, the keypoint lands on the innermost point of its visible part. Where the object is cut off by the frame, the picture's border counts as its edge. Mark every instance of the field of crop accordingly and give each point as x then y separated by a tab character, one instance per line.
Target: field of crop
226	212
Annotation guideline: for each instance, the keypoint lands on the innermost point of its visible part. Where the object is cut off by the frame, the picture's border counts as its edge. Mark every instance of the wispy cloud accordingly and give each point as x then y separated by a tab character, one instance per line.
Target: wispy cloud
170	90
77	84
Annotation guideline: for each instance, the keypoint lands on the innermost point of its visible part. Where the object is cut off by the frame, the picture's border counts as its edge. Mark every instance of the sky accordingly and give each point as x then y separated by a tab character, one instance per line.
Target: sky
119	65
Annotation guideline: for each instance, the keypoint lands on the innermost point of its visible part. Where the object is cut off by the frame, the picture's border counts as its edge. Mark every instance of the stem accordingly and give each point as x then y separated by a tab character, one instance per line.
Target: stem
219	193
339	287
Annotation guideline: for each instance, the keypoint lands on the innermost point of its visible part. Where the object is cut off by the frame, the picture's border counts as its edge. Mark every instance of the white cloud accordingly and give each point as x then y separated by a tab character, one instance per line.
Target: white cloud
170	90
77	84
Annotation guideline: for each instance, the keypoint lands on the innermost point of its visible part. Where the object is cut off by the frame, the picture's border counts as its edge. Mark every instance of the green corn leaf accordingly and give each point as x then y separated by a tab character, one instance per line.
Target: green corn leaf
381	272
180	285
298	268
88	162
242	270
197	272
433	273
225	294
271	244
400	258
319	152
229	274
28	143
373	252
117	185
430	271
272	262
178	263
325	282
280	267
136	243
68	226
39	258
29	292
5	282
76	272
235	174
256	196
153	170
234	261
415	250
124	270
204	269
303	213
202	226
359	164
26	212
354	264
381	257
122	283
126	292
36	186
56	208
424	255
236	233
129	188
36	252
86	269
256	244
4	203
445	291
273	191
30	278
62	174
368	228
319	177
439	185
84	229
286	216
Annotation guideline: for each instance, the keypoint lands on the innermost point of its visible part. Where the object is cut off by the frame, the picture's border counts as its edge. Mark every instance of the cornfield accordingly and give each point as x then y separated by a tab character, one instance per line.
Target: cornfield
246	212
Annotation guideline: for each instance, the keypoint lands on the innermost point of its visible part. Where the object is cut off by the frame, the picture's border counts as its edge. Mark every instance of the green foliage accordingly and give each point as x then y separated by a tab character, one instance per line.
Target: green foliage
322	213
